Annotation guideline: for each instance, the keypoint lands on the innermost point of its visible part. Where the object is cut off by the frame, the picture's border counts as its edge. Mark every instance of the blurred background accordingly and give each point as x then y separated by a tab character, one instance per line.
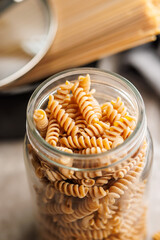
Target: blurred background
39	38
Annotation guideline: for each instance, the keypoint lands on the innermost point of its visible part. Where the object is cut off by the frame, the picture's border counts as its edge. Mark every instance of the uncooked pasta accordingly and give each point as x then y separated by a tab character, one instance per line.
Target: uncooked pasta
106	203
89	30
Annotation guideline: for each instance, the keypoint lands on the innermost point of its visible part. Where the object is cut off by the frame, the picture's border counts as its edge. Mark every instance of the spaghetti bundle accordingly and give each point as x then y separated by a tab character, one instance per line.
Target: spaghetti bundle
88	30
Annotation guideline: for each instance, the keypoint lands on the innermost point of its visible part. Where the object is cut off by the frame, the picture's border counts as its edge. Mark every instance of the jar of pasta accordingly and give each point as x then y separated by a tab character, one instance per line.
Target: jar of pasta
88	156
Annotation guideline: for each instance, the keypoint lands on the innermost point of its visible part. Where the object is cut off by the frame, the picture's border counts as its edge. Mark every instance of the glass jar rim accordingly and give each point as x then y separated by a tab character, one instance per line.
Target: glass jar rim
138	132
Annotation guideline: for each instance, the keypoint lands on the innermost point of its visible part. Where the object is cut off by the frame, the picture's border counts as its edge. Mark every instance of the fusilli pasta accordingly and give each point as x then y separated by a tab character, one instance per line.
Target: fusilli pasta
41	120
75	201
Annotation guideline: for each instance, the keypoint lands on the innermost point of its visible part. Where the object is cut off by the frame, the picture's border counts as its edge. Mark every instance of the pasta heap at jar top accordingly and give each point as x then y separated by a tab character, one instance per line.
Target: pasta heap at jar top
102	204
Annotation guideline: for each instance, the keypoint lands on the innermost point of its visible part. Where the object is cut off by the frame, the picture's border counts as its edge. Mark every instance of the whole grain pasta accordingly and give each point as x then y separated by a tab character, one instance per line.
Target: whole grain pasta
84	205
41	120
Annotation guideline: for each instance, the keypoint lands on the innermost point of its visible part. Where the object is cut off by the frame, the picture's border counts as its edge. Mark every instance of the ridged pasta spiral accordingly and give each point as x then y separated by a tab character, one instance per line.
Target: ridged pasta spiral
132	162
127	124
41	121
62	118
58	208
84	208
85	142
93	150
95	105
50	191
53	176
73	110
85	82
88	234
85	106
109	113
119	106
94	130
102	180
62	93
97	192
52	132
80	122
69	189
68	150
120	186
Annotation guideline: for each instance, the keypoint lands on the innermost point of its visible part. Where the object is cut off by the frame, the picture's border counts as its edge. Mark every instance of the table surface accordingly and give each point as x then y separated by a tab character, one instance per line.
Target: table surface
16	220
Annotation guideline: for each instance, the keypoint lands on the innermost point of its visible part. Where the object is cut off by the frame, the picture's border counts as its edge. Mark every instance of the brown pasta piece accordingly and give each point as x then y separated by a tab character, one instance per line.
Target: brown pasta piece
95	105
81	224
102	180
92	150
94	130
132	162
62	93
69	189
50	191
85	142
84	208
62	118
85	106
53	208
85	82
41	120
52	132
96	192
54	176
109	113
119	106
38	169
127	124
73	110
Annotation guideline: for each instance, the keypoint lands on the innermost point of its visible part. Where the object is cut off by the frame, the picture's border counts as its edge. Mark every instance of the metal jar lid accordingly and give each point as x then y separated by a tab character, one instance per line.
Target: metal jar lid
27	30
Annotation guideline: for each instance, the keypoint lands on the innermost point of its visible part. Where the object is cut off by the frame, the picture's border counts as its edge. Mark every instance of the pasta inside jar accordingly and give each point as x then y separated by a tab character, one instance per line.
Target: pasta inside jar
88	155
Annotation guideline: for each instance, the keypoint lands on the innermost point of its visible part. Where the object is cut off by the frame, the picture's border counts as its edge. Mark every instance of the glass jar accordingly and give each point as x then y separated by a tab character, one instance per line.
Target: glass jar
95	196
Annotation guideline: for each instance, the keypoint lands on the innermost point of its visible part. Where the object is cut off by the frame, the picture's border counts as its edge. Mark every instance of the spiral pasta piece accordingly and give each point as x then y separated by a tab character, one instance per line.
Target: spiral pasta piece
73	110
94	130
85	106
58	208
132	162
50	191
41	121
120	186
88	234
68	150
69	189
62	118
52	132
95	105
85	207
80	122
85	142
85	82
127	124
62	93
93	150
97	192
102	180
81	224
119	106
53	176
109	113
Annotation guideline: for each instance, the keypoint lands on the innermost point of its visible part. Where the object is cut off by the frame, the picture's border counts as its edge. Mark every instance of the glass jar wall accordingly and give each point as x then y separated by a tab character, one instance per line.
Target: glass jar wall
95	196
